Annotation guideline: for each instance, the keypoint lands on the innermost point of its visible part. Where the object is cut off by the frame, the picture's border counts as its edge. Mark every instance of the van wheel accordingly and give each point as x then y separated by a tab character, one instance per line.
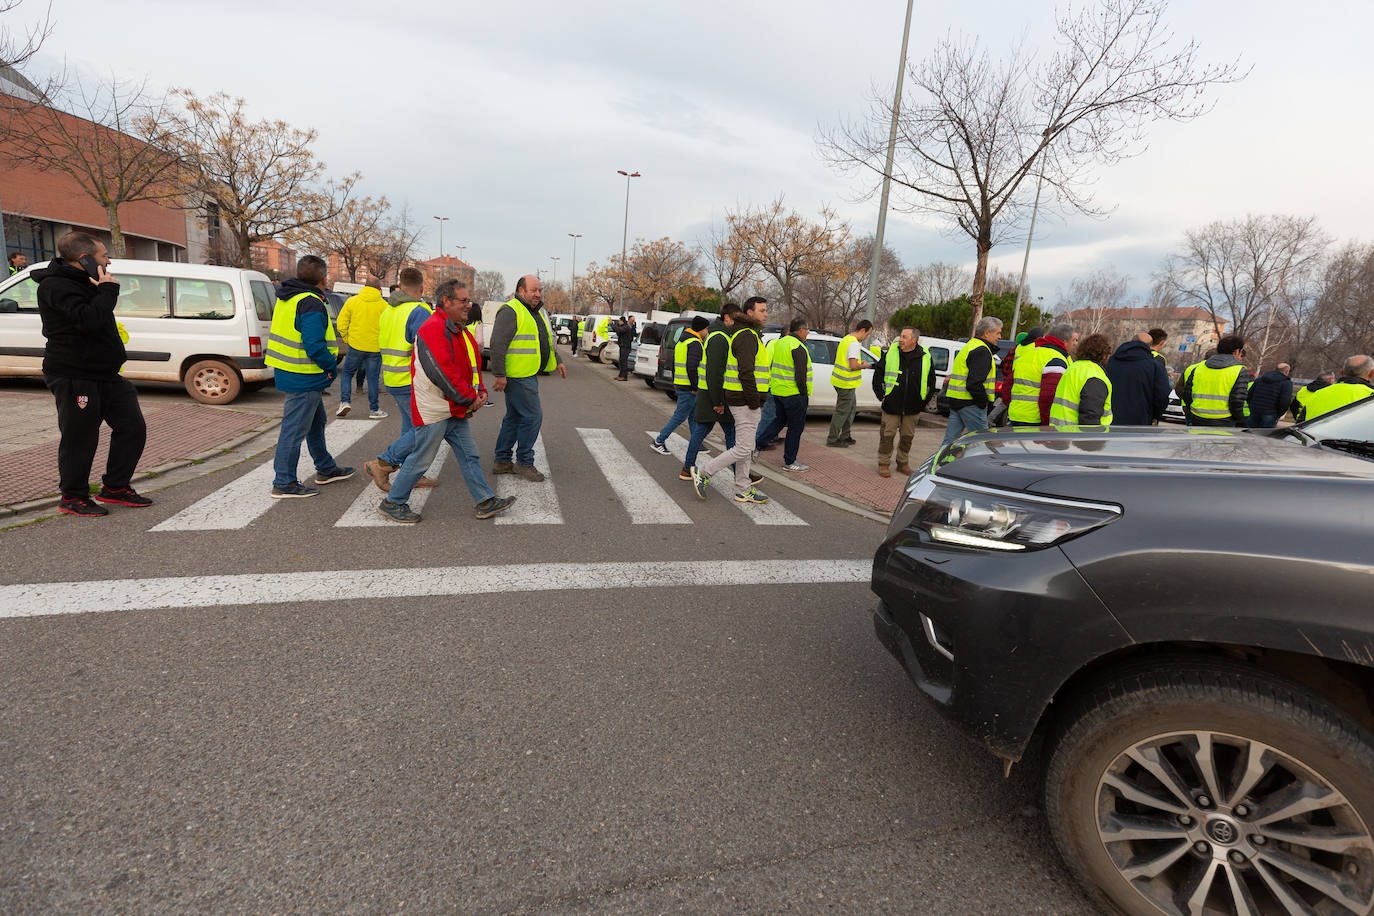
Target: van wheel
672	394
648	381
212	382
1191	787
595	355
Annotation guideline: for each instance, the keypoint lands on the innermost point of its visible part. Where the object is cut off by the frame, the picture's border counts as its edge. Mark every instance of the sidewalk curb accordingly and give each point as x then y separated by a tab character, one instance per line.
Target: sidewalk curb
47	502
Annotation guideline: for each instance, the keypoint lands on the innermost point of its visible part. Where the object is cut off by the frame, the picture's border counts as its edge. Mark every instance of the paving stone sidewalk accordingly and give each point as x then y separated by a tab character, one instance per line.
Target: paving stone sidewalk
178	434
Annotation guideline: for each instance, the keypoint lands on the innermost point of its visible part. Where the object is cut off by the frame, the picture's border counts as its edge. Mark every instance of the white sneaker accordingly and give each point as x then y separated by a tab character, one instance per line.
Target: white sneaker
343	410
796	466
377	415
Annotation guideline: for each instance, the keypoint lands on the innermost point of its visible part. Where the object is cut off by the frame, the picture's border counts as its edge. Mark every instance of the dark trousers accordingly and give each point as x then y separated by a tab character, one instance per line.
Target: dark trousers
788	411
624	361
82	405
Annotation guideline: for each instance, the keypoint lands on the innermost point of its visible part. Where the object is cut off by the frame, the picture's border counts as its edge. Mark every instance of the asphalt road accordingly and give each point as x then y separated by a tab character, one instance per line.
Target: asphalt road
614	745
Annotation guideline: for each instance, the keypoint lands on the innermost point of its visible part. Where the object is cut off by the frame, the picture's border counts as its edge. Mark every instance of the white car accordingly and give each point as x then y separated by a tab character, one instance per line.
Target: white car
822	348
204	327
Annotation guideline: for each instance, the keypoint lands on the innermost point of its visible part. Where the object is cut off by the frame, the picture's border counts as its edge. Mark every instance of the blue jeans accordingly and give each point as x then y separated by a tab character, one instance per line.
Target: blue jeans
396	452
1263	420
520	425
970	419
699	433
686	409
769	422
428	438
372	365
302	418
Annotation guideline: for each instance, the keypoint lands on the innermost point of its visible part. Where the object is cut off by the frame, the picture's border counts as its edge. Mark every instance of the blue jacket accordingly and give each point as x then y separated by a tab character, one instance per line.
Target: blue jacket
1271	393
1140	385
312	320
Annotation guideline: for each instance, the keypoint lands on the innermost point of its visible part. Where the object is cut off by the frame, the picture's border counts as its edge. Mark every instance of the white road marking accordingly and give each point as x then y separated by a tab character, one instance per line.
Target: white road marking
363	512
535	503
53	598
770	513
642	497
240	502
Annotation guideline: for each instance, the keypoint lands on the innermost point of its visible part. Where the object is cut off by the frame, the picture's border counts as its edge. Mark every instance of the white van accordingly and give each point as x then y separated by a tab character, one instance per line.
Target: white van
822	348
204	327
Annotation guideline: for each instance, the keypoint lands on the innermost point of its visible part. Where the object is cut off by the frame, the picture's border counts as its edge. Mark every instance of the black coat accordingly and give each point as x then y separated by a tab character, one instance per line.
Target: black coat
1271	393
1140	385
79	323
905	398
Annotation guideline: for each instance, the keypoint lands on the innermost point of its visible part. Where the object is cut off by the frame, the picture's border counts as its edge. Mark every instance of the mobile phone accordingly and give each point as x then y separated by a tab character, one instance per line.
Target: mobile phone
92	269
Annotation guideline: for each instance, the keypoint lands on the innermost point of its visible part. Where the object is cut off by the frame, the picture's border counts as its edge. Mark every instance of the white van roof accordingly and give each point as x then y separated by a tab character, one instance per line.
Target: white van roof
180	269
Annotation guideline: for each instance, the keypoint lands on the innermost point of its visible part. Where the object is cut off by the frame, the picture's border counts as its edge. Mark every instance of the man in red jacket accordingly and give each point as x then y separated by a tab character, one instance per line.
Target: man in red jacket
446	389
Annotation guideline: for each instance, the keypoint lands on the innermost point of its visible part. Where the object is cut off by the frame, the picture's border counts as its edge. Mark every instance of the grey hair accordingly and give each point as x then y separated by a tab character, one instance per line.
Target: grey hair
1063	331
446	290
915	333
1358	366
985	324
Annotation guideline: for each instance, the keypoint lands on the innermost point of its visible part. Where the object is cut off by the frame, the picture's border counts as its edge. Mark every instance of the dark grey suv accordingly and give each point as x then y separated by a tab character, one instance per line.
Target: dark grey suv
1183	619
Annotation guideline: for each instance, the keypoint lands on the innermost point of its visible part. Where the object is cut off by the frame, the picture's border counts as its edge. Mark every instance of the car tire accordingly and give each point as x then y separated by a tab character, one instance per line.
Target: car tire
648	380
672	394
211	381
1171	716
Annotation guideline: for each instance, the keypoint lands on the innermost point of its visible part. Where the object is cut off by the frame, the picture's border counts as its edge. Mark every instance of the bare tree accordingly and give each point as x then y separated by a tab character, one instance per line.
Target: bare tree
489	286
657	268
262	175
353	234
786	245
16	48
395	243
1337	320
1245	273
726	261
974	128
939	282
114	139
1093	299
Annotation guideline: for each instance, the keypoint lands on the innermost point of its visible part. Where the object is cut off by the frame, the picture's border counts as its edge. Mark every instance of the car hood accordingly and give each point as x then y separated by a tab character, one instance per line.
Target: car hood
1043	459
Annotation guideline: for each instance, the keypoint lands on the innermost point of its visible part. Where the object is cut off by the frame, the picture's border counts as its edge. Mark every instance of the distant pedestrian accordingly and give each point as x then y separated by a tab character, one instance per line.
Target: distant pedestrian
358	324
624	331
447	391
972	381
1355	384
1083	395
396	330
1324	378
1140	384
521	351
844	378
1270	397
745	384
687	372
77	296
908	380
17	261
302	349
1213	391
577	333
789	392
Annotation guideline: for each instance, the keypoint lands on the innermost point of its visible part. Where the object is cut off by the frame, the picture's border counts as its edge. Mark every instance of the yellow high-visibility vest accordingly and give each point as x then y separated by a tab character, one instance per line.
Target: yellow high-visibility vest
762	367
1337	394
284	347
522	357
958	374
1064	409
784	376
892	368
1027	373
842	376
1212	390
680	353
391	338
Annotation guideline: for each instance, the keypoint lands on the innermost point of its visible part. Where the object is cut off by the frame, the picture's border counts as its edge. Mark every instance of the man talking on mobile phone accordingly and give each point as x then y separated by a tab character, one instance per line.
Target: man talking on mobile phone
76	302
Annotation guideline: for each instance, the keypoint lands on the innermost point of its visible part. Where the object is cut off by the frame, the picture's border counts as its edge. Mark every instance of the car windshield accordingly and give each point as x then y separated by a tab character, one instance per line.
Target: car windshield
1350	429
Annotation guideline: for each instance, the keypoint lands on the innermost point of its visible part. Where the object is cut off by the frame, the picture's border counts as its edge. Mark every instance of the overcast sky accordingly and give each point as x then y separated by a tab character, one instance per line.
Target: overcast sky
512	118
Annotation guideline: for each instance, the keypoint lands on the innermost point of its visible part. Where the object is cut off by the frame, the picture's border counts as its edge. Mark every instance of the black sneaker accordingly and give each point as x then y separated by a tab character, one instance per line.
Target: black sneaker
494	506
333	476
122	496
83	507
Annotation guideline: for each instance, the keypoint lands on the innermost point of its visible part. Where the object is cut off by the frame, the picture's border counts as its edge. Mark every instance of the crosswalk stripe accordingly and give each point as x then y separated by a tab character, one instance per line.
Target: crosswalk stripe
240	502
44	599
638	492
770	513
535	503
362	513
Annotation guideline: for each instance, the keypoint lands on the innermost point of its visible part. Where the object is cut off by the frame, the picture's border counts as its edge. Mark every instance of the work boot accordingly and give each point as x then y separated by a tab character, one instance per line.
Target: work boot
904	469
883	471
502	467
380	472
529	472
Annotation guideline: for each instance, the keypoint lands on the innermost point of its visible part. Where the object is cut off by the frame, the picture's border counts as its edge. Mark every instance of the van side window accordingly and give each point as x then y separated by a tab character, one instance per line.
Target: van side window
142	297
264	298
939	358
202	299
21	297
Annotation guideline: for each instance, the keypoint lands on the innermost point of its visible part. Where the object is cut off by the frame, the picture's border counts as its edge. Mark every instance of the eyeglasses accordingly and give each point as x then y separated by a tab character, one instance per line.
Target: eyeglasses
463	301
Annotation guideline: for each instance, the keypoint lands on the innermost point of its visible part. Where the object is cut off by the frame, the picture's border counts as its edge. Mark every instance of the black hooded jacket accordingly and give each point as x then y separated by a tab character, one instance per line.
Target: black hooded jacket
1272	393
79	324
1140	385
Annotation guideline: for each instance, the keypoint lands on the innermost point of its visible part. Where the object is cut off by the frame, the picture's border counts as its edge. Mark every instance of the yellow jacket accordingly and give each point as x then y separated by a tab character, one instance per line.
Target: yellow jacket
359	319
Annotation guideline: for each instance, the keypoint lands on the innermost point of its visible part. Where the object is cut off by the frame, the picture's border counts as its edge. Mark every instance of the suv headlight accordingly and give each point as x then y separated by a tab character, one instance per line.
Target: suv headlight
968	515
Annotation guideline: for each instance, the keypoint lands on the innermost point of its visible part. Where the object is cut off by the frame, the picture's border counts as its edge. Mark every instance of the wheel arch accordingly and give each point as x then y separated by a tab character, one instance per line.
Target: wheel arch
191	360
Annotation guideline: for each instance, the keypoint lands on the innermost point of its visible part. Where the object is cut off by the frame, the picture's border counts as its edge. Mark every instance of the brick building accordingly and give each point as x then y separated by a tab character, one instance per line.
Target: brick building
39	207
274	259
436	270
1190	329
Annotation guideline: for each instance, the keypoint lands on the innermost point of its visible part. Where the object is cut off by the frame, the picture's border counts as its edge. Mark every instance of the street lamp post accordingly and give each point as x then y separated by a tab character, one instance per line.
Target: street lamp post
440	272
555	259
624	238
574	236
877	264
1035	210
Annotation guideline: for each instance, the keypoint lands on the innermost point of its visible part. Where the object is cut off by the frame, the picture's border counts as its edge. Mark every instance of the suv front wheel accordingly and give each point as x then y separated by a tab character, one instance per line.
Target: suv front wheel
1196	787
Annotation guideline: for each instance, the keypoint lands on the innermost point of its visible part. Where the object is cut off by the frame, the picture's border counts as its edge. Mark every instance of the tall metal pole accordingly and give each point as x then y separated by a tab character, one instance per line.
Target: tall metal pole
439	274
1025	262
574	236
624	239
873	271
555	259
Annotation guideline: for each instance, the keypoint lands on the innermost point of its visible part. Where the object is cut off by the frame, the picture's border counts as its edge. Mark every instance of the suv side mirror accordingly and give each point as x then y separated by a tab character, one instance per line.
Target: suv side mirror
8	307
